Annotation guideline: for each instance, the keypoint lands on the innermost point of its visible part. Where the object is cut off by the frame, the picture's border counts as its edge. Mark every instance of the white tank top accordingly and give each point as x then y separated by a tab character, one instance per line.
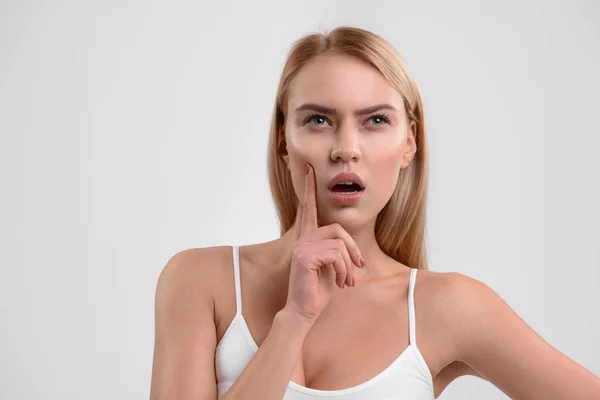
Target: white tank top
407	377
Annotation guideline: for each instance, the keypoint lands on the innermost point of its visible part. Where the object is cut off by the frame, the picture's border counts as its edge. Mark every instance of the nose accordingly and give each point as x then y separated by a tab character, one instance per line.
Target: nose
346	146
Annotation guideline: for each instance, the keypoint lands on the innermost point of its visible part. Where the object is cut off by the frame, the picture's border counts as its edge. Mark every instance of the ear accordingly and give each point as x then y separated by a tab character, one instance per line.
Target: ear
285	157
409	154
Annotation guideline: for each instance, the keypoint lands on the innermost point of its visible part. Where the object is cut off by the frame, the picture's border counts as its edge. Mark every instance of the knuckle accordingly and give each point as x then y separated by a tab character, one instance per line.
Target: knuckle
295	247
297	251
338	229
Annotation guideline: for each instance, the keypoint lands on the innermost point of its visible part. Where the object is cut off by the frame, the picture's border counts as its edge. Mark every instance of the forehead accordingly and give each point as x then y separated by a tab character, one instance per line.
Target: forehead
342	82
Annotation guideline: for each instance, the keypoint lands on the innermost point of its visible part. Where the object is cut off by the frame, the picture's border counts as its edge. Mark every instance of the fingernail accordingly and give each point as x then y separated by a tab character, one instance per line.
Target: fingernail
307	169
362	261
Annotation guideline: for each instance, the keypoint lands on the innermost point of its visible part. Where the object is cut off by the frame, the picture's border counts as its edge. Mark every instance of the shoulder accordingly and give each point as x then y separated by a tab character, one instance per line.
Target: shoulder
464	305
196	262
190	275
450	294
450	301
185	332
440	291
487	335
456	301
469	315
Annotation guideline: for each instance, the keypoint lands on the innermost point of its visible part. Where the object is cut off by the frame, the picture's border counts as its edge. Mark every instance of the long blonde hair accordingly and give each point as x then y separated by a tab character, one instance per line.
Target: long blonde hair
400	226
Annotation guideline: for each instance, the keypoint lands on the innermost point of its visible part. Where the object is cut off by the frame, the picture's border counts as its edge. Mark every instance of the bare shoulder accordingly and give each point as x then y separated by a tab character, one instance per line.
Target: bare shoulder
441	296
185	284
456	301
185	333
445	294
188	284
195	268
451	298
486	335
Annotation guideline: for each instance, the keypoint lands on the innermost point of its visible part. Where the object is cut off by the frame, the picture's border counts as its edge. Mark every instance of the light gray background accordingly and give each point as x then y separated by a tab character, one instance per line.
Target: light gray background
131	130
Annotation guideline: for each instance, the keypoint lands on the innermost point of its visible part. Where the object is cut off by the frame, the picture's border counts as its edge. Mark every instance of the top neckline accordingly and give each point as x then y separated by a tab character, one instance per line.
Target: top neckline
410	349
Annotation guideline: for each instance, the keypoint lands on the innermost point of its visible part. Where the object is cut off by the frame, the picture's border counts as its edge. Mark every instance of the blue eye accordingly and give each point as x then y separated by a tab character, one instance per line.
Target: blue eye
314	116
381	117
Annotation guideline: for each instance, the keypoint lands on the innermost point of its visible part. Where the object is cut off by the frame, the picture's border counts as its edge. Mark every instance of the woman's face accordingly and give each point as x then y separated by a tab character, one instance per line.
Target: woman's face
375	145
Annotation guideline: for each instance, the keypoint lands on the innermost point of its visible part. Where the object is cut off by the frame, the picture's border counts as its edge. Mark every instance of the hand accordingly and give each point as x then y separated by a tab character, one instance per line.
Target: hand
320	256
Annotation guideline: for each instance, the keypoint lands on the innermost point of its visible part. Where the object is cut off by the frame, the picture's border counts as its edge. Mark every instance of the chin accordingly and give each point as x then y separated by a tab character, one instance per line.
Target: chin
349	218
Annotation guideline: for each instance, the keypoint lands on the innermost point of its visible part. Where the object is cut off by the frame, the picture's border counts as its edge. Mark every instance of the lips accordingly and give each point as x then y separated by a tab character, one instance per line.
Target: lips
346	177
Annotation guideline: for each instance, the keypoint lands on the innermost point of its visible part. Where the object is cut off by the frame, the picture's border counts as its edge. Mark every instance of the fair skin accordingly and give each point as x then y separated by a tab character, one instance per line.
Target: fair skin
366	144
463	326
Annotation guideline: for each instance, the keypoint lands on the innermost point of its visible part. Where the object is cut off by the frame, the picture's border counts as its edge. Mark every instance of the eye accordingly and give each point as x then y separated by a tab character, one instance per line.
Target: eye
315	117
382	117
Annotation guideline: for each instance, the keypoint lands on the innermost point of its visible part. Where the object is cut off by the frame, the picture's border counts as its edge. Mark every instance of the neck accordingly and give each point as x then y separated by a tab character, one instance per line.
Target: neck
377	262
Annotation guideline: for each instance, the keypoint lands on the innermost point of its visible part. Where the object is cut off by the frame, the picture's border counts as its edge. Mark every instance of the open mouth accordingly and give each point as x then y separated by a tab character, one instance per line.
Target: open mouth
347	188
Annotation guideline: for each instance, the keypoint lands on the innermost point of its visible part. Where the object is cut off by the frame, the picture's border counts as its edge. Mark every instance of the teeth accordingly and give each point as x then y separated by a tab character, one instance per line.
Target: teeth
348	183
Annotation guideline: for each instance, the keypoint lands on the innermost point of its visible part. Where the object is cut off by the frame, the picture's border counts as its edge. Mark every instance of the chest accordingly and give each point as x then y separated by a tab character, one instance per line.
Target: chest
361	332
352	342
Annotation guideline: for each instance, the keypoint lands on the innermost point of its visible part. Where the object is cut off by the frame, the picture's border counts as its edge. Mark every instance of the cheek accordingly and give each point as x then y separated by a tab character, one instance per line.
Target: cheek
301	152
384	168
301	149
385	158
298	157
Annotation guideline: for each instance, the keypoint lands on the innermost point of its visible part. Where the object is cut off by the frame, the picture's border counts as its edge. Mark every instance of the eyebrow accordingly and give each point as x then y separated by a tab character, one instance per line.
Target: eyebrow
332	111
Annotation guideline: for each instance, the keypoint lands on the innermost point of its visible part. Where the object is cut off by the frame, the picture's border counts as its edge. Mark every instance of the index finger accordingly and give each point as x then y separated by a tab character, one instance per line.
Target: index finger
309	212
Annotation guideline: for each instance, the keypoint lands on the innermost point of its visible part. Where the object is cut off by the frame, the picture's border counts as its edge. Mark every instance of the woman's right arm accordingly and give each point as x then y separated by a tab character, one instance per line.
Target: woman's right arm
185	339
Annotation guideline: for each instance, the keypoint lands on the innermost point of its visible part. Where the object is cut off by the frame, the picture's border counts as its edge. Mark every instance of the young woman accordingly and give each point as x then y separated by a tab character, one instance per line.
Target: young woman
342	304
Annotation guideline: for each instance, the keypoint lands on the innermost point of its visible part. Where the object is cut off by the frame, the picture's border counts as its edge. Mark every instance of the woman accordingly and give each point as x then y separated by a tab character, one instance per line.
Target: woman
348	173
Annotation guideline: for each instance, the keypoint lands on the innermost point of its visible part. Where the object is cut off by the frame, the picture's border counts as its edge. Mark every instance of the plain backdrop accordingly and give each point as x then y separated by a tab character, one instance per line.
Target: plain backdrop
132	130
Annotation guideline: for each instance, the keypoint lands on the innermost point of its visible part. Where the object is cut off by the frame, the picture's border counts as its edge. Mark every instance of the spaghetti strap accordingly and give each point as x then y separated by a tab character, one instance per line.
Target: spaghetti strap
236	275
411	306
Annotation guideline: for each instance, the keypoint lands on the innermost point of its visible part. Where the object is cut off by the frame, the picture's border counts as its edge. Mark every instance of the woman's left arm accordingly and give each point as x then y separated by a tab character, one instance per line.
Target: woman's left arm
503	349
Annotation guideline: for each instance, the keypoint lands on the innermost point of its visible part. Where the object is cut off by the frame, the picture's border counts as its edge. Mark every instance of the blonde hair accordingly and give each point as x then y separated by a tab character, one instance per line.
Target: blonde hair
401	224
